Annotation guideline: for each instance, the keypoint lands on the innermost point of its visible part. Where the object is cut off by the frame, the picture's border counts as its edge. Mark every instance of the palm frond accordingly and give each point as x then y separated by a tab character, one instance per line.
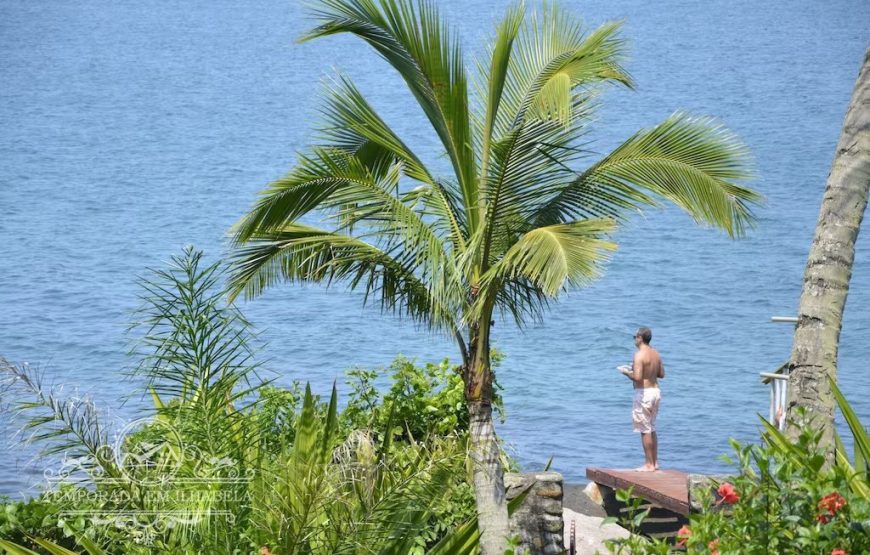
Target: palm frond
341	185
523	301
527	164
411	37
692	162
442	207
298	253
553	59
329	179
860	437
549	258
495	75
353	125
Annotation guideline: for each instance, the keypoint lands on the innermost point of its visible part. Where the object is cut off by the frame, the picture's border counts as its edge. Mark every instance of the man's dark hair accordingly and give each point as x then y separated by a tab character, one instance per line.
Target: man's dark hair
645	334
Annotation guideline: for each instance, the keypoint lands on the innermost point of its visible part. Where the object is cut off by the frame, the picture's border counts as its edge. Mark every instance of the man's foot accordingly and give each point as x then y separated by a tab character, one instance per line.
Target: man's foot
646	468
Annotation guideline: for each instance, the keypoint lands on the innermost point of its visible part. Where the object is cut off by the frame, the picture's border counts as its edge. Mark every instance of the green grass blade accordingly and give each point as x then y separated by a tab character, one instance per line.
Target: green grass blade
53	548
462	541
14	549
859	434
90	546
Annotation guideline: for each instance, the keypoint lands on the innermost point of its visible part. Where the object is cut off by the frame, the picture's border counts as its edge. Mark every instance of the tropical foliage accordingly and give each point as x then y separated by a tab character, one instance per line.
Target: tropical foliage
228	463
785	499
514	222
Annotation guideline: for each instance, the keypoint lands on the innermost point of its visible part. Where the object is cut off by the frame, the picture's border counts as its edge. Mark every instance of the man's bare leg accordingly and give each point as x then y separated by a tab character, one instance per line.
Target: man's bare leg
655	450
646	440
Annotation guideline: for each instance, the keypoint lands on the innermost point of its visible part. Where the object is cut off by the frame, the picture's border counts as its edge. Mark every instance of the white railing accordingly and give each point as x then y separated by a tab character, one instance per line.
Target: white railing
778	381
778	394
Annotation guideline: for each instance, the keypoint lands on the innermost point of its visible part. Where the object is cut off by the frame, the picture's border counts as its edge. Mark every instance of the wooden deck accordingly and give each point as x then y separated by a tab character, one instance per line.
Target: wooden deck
665	488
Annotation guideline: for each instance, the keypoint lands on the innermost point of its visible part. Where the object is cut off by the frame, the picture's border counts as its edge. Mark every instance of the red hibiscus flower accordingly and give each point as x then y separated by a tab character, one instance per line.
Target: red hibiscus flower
829	505
839	551
265	551
727	494
713	546
684	534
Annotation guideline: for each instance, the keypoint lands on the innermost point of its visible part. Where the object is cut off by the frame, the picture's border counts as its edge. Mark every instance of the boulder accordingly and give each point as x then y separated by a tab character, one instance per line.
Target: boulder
589	532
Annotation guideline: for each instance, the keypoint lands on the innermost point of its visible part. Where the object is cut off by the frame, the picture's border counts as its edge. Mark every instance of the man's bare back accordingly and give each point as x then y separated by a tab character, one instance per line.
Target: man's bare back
647	367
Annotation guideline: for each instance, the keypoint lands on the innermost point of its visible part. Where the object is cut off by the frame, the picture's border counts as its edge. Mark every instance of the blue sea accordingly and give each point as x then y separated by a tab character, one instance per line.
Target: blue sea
131	129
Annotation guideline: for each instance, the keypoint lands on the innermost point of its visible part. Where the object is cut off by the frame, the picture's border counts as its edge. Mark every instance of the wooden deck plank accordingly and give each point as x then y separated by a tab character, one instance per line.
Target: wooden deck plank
666	488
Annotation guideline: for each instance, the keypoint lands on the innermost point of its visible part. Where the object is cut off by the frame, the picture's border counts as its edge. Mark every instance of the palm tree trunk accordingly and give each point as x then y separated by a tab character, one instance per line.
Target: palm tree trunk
488	475
829	268
488	478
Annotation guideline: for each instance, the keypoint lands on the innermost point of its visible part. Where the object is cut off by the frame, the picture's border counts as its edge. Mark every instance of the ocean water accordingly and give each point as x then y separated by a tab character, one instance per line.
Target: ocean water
129	130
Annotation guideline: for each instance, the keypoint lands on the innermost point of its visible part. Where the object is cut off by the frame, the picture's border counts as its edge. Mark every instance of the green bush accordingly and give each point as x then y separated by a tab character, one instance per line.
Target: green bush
788	497
422	401
786	500
241	464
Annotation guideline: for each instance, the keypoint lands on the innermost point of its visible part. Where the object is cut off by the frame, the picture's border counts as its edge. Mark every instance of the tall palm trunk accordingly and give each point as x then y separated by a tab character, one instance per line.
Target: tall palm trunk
829	268
488	475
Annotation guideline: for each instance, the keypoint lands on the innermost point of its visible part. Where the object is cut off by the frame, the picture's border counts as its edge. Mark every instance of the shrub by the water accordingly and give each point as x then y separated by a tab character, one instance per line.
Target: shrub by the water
229	463
786	498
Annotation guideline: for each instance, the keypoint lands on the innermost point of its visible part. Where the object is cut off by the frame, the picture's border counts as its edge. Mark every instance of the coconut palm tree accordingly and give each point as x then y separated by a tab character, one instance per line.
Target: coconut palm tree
513	224
813	361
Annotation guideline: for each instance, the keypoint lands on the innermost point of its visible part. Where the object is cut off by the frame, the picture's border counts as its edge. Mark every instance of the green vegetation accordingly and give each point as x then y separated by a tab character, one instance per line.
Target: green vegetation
228	463
785	499
515	221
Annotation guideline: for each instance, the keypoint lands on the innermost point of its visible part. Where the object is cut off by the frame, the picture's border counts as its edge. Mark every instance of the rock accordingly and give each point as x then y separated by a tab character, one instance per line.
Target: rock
585	500
589	532
538	520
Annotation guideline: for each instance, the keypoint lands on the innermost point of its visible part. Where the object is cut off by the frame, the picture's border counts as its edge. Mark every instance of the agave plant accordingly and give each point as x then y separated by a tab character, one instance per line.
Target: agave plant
514	223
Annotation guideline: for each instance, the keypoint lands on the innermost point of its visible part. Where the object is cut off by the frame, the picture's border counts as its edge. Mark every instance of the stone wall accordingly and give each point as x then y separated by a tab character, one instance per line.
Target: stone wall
538	521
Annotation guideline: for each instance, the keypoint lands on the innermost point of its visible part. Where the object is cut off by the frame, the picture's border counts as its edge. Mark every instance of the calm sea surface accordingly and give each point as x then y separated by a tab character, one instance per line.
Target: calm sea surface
128	130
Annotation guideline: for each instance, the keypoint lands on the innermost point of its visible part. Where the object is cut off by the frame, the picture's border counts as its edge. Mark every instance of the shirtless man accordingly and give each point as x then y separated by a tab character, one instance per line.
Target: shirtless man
645	371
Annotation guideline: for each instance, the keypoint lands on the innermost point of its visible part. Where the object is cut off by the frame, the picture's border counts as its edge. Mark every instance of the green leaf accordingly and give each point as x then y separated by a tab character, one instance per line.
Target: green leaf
556	64
859	433
553	256
298	253
12	548
461	541
53	548
413	39
692	162
90	546
496	74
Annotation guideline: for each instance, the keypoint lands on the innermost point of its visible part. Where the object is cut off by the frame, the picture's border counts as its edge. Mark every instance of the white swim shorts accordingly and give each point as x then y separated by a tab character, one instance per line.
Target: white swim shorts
645	409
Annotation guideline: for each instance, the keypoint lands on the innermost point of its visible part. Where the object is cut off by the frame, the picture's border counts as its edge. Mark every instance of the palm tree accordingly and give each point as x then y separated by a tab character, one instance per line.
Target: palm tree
513	224
829	267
